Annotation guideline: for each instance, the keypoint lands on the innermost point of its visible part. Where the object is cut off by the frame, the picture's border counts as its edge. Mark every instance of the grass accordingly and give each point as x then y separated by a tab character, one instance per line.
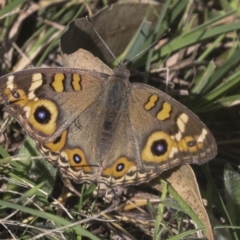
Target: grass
199	44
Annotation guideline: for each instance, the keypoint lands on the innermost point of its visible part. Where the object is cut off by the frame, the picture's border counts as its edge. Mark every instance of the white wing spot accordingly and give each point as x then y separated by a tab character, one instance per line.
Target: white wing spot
202	136
178	136
10	82
36	83
173	152
182	121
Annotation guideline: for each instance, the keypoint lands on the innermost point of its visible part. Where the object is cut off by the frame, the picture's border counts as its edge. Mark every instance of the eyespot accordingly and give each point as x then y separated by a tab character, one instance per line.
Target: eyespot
15	94
58	144
77	159
159	147
191	143
57	140
121	166
42	115
19	96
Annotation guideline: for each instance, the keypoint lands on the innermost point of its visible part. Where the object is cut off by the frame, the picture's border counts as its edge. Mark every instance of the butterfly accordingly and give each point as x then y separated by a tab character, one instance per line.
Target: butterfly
96	126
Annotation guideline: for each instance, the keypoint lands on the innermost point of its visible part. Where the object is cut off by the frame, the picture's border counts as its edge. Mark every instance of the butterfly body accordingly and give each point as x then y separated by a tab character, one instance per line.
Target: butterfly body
98	127
115	99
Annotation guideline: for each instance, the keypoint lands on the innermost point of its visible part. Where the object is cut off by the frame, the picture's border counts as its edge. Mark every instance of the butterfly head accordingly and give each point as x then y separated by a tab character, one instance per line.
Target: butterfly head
121	72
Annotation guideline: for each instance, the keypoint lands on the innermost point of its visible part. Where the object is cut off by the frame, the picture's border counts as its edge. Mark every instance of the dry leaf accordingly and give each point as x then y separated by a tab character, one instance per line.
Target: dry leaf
116	25
183	180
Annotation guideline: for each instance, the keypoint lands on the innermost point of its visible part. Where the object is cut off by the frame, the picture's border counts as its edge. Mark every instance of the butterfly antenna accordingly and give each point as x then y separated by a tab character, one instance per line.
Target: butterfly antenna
94	29
147	48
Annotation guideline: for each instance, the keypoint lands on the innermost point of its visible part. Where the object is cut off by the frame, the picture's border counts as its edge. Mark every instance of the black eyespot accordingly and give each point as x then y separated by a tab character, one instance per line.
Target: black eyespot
191	143
77	159
16	94
120	167
42	115
159	147
57	139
